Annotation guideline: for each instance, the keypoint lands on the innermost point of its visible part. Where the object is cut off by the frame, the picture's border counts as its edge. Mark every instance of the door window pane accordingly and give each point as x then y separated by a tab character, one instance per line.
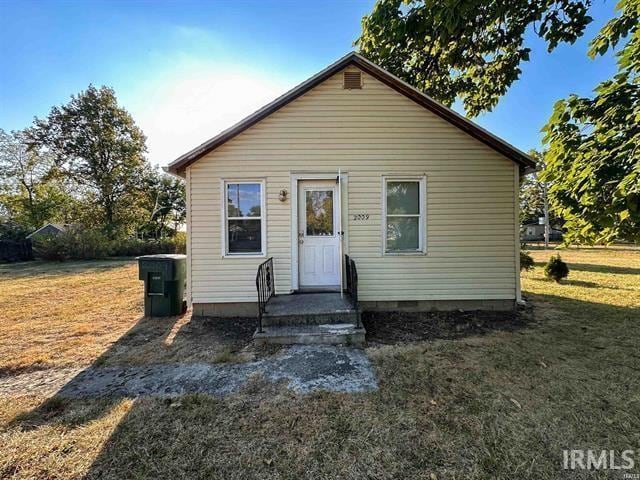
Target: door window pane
243	199
403	198
319	212
244	236
403	233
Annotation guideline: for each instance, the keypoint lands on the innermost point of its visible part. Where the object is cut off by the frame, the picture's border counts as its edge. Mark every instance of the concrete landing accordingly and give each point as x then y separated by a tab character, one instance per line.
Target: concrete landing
308	304
309	309
328	334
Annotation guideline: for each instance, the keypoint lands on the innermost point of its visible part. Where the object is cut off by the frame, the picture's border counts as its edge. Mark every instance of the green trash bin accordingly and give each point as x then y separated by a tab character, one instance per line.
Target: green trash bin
164	279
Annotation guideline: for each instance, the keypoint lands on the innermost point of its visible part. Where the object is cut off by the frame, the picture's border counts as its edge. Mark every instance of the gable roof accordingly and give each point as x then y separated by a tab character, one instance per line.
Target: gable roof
60	227
526	163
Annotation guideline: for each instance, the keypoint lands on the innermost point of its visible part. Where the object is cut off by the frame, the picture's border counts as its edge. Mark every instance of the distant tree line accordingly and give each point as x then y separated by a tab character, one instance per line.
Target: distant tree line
84	164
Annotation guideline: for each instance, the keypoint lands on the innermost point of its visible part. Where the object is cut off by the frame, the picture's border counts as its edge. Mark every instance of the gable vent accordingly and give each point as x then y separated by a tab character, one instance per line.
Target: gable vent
352	80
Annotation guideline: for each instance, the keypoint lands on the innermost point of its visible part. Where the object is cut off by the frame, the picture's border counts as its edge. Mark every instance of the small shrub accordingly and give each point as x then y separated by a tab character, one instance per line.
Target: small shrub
556	268
526	261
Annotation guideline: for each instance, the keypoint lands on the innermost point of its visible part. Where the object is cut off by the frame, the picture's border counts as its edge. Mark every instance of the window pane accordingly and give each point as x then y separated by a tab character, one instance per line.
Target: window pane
244	236
319	207
403	198
243	199
403	233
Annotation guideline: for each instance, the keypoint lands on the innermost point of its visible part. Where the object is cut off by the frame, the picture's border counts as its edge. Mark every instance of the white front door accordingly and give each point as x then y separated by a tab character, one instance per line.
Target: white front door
318	238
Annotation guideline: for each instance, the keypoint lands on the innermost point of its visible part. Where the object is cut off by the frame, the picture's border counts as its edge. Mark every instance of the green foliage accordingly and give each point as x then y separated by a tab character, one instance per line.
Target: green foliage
133	247
465	49
96	144
180	242
526	261
31	192
165	201
532	191
556	268
84	165
13	231
73	244
85	244
594	145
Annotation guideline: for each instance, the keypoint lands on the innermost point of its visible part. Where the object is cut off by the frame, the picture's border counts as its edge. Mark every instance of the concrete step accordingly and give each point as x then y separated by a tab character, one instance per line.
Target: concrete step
328	334
347	316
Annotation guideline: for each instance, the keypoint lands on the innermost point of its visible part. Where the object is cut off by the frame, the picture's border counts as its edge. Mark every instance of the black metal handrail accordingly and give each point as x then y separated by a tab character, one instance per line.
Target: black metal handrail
352	284
266	285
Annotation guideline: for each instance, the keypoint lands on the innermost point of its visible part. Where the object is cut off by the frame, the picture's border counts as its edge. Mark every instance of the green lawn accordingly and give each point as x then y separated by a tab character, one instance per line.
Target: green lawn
499	405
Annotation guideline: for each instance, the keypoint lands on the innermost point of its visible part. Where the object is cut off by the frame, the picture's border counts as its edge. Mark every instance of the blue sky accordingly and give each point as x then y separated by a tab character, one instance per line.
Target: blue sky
188	69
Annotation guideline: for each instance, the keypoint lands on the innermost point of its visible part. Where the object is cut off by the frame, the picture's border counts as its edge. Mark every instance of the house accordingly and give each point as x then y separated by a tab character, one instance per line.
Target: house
533	231
49	229
354	162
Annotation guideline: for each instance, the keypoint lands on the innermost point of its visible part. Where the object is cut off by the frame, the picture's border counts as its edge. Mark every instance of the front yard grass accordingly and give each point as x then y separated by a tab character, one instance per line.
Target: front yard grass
499	405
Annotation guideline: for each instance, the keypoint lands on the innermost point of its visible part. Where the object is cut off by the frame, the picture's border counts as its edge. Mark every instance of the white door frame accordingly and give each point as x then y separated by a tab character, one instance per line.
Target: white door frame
295	179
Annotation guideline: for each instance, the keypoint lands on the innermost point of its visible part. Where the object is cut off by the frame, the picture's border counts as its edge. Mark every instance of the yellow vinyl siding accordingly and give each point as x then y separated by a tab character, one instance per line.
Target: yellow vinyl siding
470	216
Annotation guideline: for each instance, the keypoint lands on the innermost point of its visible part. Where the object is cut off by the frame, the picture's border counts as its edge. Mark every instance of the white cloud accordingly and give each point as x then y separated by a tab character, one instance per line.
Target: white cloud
193	101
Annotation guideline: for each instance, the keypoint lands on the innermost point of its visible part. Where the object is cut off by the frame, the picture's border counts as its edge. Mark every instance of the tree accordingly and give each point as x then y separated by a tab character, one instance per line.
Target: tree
165	202
593	161
96	144
466	49
31	193
533	190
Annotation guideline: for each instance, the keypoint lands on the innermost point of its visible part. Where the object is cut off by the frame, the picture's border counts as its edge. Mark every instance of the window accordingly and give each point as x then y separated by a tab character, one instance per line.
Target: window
244	232
319	213
404	215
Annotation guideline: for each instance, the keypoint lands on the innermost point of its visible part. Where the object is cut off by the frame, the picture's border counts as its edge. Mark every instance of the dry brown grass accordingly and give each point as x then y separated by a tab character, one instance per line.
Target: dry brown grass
64	314
500	405
77	313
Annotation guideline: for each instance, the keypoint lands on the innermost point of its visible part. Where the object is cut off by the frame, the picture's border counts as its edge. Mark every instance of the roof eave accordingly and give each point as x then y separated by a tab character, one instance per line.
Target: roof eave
178	166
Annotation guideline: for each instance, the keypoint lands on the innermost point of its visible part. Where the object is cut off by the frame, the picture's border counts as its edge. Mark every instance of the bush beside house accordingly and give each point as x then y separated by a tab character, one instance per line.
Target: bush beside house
526	261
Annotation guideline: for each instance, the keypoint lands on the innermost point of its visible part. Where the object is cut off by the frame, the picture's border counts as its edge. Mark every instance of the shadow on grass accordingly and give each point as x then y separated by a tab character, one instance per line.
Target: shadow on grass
553	246
151	341
587	267
323	435
582	283
589	314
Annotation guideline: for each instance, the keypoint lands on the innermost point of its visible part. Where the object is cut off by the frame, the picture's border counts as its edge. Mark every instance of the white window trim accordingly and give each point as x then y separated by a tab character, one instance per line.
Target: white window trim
263	218
422	222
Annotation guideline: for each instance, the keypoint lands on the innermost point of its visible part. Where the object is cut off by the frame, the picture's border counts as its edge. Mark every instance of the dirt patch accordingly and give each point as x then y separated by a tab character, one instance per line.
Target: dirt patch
390	328
184	339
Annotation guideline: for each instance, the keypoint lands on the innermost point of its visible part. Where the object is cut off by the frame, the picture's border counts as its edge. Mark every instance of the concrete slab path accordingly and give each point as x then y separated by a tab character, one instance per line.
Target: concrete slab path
303	368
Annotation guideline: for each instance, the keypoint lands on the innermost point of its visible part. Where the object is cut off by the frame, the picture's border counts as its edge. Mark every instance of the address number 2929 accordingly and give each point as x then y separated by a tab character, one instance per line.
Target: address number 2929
361	216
